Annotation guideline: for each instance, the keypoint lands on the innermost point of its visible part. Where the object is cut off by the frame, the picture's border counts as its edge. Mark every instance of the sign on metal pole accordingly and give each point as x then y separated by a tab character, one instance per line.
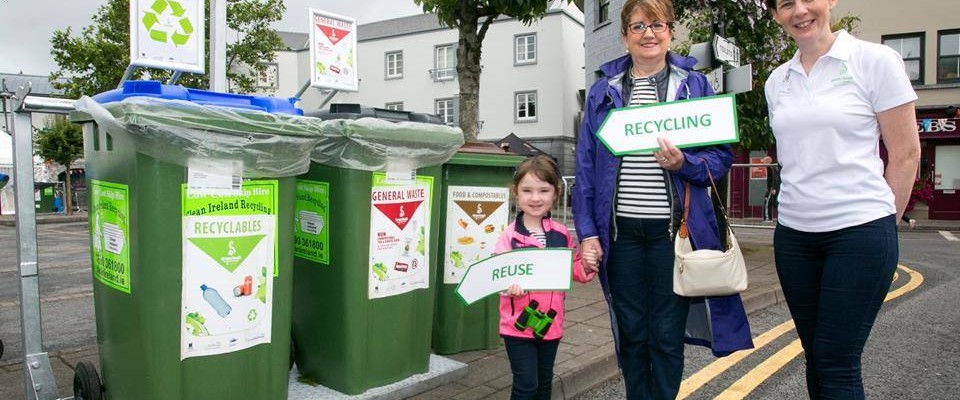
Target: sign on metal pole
333	51
167	34
739	80
715	77
703	53
686	123
726	51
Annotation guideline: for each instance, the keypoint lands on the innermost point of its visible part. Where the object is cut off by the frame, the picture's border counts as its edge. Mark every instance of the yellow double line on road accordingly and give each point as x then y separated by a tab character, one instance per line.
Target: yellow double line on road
745	385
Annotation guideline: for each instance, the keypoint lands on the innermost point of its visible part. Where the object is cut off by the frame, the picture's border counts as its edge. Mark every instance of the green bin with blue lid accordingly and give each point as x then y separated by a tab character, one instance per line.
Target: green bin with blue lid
191	197
475	204
366	242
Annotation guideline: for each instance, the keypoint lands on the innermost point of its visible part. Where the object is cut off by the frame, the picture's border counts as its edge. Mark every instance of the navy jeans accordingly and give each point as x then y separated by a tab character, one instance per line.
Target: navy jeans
532	364
834	283
650	318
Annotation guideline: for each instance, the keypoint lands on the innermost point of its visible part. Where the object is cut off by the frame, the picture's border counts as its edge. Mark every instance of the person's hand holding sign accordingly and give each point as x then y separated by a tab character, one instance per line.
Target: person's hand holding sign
515	291
669	157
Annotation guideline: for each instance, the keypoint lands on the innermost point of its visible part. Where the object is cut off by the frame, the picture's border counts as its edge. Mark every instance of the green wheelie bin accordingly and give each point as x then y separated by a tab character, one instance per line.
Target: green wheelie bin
191	197
475	210
365	240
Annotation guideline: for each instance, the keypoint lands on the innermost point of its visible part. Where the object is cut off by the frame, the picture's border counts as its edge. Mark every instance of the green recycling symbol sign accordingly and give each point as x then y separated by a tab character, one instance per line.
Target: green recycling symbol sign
166	22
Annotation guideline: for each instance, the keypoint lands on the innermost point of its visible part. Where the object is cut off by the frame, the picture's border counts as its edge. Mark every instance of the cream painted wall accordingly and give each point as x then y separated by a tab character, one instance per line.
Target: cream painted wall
890	17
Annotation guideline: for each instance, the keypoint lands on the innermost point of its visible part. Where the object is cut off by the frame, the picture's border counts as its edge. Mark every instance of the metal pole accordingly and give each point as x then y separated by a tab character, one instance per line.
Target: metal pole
126	75
38	375
333	92
218	45
303	89
174	78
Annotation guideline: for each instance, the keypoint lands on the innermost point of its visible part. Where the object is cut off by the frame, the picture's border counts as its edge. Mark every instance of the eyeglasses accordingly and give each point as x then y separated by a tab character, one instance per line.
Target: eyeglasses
657	27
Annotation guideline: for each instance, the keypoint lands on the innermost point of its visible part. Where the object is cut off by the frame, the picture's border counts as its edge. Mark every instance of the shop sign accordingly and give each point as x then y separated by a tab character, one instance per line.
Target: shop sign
937	126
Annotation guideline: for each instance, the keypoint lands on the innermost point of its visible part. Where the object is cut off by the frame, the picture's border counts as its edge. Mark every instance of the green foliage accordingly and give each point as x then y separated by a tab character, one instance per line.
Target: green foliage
95	59
451	12
762	43
60	141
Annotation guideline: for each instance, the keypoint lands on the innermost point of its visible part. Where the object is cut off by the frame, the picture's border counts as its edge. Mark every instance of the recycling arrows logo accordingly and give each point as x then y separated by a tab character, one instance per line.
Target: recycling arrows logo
166	23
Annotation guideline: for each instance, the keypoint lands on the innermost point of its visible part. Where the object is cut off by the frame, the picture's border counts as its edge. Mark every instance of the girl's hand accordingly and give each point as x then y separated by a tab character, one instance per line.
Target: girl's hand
515	291
669	157
591	246
591	263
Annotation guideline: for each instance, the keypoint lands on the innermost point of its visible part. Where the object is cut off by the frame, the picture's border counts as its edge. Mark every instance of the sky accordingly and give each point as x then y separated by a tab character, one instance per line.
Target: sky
26	26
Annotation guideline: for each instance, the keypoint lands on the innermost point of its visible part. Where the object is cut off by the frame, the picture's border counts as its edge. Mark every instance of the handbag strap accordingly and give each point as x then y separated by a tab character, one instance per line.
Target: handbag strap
682	232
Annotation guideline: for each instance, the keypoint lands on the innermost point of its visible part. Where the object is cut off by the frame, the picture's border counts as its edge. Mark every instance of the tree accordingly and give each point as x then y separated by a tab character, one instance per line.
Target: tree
472	18
96	59
762	43
60	141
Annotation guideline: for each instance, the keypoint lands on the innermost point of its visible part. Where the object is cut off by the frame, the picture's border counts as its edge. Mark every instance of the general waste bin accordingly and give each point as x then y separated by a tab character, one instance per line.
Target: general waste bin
363	290
191	209
475	210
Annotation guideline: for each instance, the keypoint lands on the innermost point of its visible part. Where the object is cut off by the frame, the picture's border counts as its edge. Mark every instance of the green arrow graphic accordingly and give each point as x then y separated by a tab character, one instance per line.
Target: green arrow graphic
229	252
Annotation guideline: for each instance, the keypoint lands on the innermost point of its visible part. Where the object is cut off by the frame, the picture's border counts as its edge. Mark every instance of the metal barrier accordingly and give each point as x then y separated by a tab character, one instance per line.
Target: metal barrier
748	201
568	182
39	382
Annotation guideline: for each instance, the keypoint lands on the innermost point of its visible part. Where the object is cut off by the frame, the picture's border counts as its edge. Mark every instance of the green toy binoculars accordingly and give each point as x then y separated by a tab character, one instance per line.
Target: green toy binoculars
534	319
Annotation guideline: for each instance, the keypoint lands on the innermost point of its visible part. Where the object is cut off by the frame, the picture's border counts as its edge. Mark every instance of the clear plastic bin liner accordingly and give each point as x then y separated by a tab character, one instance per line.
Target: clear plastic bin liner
181	132
371	144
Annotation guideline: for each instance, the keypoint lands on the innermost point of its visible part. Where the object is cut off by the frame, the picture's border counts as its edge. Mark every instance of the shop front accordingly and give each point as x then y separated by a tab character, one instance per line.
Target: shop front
939	129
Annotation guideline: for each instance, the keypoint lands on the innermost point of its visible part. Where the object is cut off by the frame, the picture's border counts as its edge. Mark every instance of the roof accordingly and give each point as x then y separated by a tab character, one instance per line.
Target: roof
516	145
294	41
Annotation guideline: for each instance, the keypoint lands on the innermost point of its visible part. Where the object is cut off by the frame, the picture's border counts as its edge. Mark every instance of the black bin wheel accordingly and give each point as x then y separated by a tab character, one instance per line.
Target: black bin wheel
1	348
86	382
292	354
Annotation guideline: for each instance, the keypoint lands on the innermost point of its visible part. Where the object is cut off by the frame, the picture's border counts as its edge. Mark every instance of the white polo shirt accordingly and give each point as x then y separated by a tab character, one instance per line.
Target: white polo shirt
828	135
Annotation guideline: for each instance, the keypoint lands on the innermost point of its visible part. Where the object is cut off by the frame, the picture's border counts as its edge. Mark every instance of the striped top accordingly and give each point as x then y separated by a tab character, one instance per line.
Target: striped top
540	236
641	189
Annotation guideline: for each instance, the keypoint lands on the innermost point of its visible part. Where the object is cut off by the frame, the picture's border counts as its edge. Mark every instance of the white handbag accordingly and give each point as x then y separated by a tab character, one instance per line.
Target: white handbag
707	272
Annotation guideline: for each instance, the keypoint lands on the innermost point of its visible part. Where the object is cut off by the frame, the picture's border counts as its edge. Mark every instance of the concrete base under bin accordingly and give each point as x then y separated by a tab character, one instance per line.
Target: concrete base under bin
442	371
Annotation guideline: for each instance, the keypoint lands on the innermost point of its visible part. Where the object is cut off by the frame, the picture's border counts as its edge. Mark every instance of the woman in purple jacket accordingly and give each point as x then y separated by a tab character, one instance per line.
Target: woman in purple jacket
628	208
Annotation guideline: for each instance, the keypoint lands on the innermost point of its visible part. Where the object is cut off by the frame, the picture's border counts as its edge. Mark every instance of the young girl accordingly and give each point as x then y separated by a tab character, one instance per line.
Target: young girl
535	187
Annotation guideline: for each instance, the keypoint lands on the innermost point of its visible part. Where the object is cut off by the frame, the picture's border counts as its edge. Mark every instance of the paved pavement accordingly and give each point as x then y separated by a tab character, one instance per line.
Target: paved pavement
586	356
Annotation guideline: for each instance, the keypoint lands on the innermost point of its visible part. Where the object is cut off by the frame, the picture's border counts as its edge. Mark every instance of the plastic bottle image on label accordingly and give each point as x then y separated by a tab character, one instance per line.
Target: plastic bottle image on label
212	296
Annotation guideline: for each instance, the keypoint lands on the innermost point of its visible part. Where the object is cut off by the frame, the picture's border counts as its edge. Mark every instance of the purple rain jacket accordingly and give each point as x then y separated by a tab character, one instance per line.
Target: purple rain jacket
716	322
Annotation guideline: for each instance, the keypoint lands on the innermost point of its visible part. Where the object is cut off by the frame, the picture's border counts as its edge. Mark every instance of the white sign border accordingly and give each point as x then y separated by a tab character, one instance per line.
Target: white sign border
736	118
135	59
568	275
313	51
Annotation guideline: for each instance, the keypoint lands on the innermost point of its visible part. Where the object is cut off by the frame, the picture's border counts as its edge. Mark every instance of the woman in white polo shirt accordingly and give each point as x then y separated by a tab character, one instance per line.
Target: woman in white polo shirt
836	242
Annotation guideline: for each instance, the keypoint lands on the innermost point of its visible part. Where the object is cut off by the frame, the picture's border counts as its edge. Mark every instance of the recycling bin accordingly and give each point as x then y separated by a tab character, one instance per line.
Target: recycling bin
43	196
475	210
191	197
365	242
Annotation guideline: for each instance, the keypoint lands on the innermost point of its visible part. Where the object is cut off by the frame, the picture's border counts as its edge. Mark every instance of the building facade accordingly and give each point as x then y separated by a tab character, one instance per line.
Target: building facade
927	36
529	85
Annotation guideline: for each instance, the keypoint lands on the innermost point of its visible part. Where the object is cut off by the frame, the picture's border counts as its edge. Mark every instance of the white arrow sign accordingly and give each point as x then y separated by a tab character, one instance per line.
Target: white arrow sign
686	123
532	269
726	51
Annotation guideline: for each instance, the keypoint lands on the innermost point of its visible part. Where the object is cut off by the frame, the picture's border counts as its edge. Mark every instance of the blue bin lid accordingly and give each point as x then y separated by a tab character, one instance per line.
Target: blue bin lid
156	89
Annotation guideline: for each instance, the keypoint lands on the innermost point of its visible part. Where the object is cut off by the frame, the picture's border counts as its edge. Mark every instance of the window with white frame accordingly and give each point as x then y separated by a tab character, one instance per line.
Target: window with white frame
444	62
445	109
395	106
910	48
948	60
394	64
526	106
525	49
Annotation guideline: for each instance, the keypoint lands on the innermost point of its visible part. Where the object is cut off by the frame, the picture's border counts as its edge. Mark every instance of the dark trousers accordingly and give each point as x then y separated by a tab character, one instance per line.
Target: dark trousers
650	318
532	364
834	284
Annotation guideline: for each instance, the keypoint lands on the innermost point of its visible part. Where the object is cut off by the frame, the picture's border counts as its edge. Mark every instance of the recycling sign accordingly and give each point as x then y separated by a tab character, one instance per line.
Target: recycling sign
166	22
167	34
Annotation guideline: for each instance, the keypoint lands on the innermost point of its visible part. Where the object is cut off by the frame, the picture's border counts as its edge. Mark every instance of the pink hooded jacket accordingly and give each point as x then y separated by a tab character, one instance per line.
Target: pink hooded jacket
517	237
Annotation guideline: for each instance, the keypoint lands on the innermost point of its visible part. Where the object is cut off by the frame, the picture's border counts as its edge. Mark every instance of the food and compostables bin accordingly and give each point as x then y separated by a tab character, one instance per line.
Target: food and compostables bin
191	197
366	237
475	211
